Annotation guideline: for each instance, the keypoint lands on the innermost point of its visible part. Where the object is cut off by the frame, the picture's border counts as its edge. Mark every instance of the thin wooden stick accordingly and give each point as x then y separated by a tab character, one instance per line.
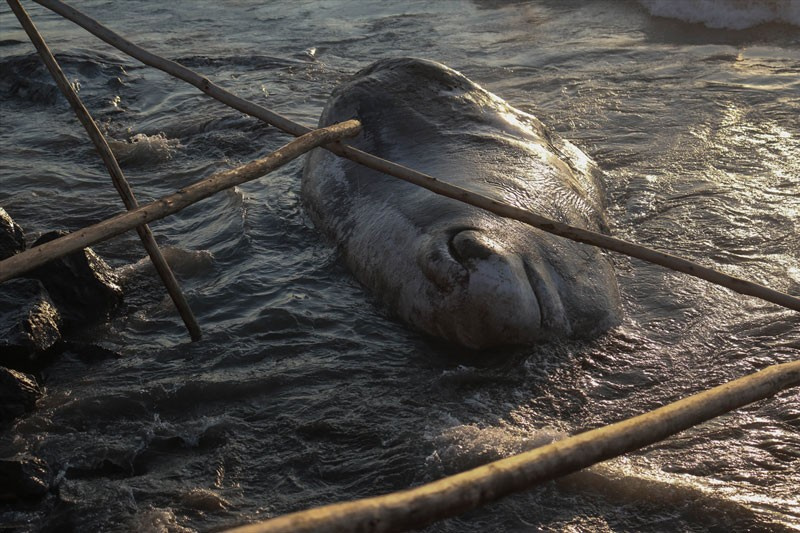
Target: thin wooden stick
39	255
117	177
423	180
450	496
573	233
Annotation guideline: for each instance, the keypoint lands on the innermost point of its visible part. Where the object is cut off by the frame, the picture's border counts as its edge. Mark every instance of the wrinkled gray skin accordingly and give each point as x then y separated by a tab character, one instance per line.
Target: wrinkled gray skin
447	268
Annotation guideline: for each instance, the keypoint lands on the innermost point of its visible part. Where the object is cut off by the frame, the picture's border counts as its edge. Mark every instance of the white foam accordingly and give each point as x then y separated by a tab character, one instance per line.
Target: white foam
185	263
623	480
467	446
157	520
729	14
144	149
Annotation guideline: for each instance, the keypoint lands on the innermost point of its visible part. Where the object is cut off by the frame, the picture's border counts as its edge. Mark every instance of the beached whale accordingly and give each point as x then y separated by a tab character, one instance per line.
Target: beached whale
447	268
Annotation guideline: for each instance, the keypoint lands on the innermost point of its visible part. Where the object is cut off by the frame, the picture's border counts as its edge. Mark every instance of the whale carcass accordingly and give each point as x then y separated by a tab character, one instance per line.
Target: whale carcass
447	268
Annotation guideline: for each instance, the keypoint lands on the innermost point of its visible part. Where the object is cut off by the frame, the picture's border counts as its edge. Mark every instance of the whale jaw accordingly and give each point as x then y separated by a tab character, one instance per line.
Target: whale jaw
485	297
500	306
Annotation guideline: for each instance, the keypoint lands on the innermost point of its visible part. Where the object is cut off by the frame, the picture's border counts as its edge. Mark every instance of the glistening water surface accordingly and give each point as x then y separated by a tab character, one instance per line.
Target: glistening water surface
303	391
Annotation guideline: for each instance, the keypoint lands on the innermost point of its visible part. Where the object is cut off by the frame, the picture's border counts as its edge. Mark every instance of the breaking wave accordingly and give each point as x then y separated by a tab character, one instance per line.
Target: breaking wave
727	14
144	149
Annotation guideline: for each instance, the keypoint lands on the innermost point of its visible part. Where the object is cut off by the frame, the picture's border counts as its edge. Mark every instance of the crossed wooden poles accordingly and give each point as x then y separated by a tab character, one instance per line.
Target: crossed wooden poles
454	494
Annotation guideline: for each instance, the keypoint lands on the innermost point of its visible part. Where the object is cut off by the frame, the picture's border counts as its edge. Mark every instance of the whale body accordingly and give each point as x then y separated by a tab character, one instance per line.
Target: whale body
447	268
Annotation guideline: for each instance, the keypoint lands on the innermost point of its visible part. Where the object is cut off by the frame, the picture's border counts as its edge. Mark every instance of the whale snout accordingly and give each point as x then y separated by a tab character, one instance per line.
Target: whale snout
468	246
486	296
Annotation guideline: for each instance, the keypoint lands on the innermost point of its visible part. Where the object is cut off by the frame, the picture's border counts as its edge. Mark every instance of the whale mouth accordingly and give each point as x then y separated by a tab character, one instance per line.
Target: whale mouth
538	287
545	283
512	277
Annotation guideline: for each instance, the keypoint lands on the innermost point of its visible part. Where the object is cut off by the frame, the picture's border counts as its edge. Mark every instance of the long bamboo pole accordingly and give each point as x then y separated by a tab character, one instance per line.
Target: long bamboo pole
117	176
423	180
39	255
450	496
593	238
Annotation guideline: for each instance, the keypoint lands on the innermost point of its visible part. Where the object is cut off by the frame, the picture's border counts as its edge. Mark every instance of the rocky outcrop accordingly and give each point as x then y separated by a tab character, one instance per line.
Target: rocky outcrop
29	322
65	294
12	239
23	477
18	394
82	286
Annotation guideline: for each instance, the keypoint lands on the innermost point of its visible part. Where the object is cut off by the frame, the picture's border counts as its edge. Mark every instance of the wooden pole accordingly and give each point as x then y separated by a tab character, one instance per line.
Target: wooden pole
39	255
450	496
423	180
593	238
117	177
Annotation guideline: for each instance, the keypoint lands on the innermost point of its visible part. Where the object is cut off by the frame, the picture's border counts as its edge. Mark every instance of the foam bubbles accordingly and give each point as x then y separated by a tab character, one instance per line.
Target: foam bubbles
157	520
728	14
144	149
468	446
184	263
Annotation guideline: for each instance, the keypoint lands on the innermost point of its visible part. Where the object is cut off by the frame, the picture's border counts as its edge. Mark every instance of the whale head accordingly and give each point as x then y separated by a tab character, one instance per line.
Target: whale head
486	287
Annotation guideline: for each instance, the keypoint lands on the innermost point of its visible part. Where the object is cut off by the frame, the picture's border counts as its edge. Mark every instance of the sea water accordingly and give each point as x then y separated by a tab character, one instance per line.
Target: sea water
303	391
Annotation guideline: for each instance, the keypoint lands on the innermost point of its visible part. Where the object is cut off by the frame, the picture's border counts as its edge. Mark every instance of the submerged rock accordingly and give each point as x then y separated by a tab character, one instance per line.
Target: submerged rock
24	477
18	394
82	286
64	294
204	500
12	239
29	322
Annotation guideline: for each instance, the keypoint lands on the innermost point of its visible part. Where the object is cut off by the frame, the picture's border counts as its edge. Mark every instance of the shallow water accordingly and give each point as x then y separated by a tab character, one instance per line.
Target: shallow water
303	391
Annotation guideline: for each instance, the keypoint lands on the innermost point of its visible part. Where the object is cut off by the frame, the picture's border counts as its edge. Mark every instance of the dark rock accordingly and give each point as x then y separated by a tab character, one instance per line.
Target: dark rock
29	322
18	394
82	286
12	240
23	477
